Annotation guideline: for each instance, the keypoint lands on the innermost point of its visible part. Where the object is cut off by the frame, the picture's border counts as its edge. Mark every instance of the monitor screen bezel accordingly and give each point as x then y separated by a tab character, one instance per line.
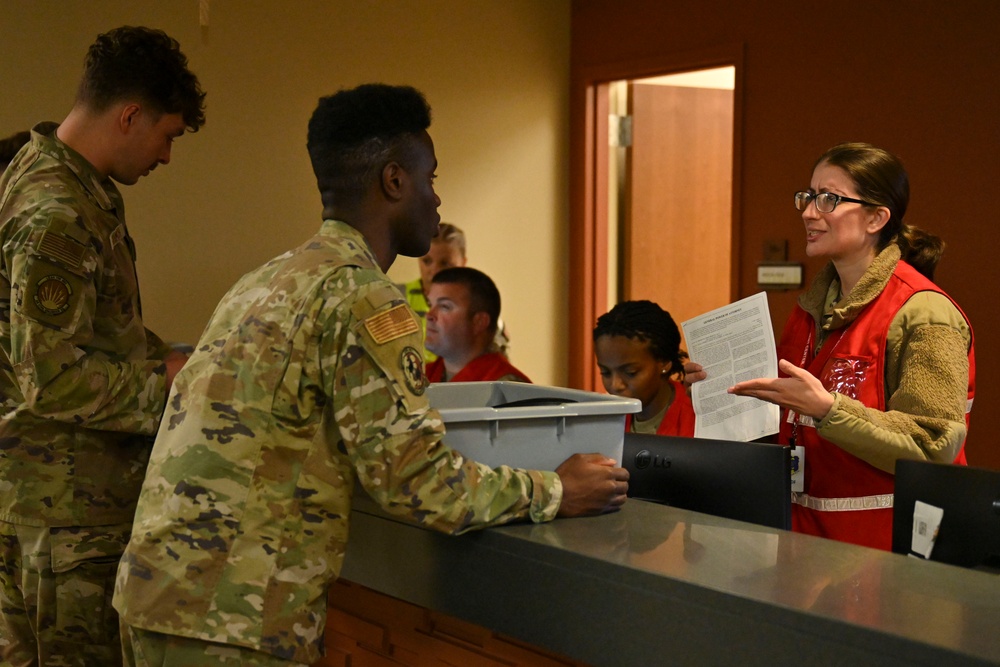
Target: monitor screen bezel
969	534
710	476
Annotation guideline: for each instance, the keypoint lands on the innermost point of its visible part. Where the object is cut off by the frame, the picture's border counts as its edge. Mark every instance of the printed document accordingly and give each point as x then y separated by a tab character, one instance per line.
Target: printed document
733	343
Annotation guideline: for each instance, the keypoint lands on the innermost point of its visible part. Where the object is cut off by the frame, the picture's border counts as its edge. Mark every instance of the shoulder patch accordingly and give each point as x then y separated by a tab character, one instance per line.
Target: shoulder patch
61	248
383	294
392	324
412	364
52	294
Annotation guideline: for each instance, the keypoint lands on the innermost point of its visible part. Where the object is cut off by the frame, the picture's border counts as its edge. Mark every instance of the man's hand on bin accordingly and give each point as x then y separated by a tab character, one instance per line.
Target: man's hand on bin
592	484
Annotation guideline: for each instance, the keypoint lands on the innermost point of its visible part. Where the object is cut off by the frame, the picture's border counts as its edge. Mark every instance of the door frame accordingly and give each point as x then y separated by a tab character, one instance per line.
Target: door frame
589	154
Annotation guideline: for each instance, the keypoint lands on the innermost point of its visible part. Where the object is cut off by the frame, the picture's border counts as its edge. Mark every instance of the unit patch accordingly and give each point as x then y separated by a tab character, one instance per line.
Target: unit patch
52	295
412	363
392	324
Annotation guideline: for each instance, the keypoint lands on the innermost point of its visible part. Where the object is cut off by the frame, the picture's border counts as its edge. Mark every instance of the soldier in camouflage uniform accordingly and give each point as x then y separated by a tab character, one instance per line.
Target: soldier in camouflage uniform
308	378
83	383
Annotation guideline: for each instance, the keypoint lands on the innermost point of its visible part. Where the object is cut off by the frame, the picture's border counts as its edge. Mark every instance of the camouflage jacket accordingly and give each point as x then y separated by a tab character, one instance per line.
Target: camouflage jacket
308	377
414	292
82	382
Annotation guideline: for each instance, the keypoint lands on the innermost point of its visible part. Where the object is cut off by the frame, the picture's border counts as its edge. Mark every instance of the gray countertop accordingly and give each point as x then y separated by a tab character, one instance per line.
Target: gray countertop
653	585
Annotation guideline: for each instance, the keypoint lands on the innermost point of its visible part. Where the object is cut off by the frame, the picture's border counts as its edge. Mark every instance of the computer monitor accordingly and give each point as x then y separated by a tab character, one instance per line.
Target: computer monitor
969	534
746	481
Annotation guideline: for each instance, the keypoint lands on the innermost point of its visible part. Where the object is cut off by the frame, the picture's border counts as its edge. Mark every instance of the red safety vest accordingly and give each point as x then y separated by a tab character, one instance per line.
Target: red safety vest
679	417
484	368
844	497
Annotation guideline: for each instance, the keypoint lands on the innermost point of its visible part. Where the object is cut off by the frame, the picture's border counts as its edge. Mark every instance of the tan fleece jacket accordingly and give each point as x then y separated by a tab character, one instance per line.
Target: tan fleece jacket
926	372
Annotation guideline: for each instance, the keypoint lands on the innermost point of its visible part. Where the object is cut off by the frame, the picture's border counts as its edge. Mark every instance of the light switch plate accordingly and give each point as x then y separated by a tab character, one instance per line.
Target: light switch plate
784	275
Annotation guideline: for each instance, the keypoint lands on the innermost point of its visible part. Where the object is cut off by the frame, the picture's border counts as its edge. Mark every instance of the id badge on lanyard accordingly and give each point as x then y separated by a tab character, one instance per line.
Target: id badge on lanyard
798	451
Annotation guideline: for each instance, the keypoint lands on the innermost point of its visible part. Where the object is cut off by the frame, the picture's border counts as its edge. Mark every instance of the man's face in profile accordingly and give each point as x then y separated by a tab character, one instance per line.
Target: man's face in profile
451	324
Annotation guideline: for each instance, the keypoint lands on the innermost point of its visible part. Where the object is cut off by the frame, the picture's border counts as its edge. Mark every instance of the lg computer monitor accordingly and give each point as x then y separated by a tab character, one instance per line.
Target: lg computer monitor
746	481
969	534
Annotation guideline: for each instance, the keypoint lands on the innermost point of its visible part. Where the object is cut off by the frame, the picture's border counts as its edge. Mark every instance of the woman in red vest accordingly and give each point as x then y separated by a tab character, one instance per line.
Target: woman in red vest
876	362
637	345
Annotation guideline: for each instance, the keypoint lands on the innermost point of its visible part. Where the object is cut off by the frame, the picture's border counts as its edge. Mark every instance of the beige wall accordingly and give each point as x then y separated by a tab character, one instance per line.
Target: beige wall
496	73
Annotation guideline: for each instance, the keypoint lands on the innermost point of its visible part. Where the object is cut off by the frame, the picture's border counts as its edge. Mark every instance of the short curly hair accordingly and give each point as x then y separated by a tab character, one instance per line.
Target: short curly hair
354	133
144	63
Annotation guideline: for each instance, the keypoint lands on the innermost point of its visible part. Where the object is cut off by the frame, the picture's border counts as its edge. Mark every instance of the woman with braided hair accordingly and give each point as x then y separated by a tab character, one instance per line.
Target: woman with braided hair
637	345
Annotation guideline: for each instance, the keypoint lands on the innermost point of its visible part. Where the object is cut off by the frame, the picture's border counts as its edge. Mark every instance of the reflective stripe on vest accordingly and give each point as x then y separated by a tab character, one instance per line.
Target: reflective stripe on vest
877	502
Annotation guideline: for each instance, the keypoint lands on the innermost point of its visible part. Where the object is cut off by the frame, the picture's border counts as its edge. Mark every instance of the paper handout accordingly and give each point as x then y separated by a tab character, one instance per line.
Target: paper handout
733	343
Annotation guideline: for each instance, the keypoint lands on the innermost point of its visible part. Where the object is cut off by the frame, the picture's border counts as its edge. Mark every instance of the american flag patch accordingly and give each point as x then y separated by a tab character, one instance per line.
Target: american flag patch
392	324
60	248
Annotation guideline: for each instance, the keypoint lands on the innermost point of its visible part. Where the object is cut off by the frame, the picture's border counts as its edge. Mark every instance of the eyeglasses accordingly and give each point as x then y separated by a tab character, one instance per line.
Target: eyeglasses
825	201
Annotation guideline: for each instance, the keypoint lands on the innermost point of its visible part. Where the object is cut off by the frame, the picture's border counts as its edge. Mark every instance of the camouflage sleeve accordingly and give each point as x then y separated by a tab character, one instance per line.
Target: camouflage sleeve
373	368
158	349
64	374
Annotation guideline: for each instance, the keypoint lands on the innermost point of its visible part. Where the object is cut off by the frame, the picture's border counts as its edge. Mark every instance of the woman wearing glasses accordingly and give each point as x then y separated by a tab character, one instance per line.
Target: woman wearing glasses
876	362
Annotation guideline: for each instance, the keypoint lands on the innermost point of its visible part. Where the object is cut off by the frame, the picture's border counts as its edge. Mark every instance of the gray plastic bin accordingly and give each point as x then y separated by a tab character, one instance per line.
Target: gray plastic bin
528	425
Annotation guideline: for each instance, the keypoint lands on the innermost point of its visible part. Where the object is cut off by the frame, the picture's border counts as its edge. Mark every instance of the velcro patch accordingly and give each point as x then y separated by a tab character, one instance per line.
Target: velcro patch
412	364
52	295
118	235
392	324
62	249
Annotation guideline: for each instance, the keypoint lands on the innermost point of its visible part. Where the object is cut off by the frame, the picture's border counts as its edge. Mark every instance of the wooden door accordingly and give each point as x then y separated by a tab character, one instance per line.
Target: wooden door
677	231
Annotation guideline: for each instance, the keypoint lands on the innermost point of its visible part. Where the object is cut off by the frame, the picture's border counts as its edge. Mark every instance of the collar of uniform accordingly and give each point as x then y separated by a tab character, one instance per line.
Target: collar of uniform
872	282
103	190
343	231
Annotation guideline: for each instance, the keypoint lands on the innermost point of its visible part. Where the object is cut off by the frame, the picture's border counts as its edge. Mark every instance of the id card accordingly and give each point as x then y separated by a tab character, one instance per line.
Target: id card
926	522
798	469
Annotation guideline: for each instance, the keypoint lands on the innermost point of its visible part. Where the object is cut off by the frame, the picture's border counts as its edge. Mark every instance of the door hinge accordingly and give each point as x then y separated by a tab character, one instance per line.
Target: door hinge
620	130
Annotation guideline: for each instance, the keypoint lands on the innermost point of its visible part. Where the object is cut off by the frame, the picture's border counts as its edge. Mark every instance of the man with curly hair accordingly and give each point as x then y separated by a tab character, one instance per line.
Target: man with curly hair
308	379
82	382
